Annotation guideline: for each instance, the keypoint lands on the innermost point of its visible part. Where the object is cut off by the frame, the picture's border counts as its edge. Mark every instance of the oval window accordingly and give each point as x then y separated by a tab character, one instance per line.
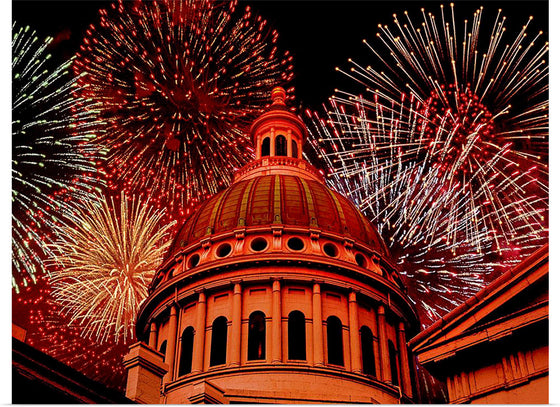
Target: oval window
259	244
295	243
223	250
193	261
330	250
361	260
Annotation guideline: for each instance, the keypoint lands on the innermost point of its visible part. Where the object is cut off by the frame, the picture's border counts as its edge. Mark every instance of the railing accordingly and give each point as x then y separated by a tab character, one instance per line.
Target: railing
295	163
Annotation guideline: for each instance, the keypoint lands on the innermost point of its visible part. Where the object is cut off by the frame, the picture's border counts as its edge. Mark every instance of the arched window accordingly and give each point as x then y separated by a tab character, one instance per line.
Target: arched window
265	148
281	145
257	336
368	360
334	341
296	336
393	361
219	342
294	149
163	348
185	360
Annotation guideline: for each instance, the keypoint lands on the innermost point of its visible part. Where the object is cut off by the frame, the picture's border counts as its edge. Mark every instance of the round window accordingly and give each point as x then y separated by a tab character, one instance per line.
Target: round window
193	261
295	243
330	250
223	250
259	244
361	260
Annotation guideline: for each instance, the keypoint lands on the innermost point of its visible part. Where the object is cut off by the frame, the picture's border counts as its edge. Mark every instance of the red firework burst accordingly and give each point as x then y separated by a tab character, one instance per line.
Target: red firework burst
176	85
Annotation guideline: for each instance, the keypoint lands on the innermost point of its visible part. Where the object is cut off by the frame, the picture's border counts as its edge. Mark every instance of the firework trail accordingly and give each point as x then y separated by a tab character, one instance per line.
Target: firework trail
177	83
106	258
446	151
49	149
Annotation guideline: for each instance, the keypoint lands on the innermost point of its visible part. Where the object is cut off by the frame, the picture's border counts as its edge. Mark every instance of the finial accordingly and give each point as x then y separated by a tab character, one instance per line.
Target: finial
278	96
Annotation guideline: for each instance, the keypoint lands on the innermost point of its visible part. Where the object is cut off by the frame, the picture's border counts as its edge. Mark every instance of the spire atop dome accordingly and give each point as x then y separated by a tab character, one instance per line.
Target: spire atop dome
278	96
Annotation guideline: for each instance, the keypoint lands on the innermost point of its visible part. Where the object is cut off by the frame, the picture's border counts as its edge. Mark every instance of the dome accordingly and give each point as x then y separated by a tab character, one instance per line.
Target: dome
288	200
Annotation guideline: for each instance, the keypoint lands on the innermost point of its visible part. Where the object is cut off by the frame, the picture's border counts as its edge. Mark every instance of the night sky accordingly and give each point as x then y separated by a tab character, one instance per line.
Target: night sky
320	35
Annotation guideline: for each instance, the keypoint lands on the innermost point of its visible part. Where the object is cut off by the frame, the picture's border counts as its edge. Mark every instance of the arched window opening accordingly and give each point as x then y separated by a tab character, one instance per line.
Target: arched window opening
394	363
368	359
265	148
257	336
219	342
185	360
334	341
296	336
294	149
163	348
281	145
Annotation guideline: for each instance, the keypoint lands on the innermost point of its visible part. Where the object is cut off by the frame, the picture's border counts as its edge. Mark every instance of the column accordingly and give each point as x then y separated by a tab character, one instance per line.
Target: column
318	350
198	347
375	331
522	364
355	349
383	345
276	323
181	260
171	344
289	143
258	146
152	342
451	389
234	352
458	388
405	369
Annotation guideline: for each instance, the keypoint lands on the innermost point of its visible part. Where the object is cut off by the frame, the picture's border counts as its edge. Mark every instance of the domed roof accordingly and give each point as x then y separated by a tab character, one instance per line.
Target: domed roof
283	199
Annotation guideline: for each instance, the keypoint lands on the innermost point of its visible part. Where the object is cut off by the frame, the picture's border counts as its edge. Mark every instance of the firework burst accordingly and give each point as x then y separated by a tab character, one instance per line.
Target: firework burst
413	211
106	260
446	151
177	83
49	148
49	331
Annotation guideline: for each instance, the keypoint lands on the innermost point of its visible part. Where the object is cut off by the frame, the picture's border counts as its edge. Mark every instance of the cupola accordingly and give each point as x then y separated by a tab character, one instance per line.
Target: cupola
278	136
278	132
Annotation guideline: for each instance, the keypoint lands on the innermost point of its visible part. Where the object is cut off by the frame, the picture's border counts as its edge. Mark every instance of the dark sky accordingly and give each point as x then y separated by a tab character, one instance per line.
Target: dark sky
319	34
